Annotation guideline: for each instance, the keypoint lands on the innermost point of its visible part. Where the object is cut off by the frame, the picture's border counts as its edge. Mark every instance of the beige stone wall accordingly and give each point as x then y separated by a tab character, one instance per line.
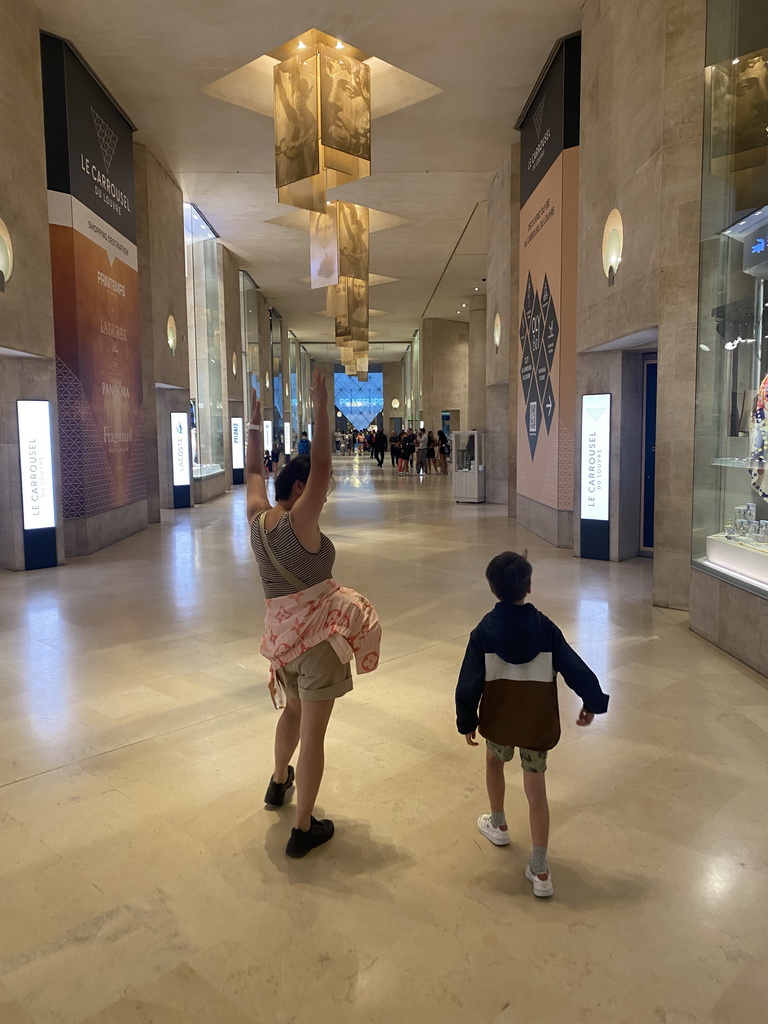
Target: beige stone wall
444	371
641	132
232	348
393	388
476	363
162	293
501	364
678	297
620	156
26	310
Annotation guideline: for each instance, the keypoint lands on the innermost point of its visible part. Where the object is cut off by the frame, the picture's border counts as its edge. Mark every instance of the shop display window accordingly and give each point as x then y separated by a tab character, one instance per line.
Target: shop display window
730	508
204	322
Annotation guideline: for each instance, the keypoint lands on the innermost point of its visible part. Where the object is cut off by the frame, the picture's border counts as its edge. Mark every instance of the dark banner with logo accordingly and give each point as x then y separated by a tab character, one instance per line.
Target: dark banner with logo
91	212
549	128
550	121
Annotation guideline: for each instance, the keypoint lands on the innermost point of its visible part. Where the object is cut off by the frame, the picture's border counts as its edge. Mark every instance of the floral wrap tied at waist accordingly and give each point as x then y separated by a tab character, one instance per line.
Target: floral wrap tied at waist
298	622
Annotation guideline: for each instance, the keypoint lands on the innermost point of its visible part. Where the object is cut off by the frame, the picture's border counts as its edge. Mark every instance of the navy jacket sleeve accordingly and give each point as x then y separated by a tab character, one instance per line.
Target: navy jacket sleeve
577	675
469	689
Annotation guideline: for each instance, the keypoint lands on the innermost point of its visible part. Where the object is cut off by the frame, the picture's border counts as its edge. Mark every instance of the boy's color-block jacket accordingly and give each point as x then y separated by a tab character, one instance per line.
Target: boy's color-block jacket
509	671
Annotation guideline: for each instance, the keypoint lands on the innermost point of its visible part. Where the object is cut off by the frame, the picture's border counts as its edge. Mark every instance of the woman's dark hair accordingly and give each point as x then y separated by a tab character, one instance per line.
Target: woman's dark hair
509	575
296	469
441	436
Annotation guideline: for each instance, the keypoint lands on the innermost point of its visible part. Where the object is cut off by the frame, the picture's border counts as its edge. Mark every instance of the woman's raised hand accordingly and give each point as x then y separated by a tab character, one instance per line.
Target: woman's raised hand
319	390
255	409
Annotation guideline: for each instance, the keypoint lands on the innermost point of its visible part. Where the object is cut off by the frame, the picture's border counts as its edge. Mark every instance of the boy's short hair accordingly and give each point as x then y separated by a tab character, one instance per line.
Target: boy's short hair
509	575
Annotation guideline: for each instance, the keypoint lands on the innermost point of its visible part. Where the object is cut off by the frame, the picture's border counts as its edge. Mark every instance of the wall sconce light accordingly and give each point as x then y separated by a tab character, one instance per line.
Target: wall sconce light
170	334
497	332
613	245
6	254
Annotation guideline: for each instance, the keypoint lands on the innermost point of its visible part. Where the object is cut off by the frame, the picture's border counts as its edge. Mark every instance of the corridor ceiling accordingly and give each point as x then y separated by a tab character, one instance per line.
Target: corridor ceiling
432	162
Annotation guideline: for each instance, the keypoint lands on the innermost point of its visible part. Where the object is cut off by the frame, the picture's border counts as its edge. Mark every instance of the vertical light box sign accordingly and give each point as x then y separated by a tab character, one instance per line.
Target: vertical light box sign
287	439
238	451
36	463
268	438
595	476
180	455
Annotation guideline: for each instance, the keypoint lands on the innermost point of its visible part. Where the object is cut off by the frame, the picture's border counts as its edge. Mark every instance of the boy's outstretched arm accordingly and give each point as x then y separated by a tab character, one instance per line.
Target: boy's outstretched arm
469	688
579	677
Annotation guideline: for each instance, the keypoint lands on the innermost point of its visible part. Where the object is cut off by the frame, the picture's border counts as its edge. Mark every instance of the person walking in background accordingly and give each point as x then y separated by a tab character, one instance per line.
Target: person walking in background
394	444
443	450
431	446
337	440
380	447
314	628
268	463
510	672
404	456
305	446
421	452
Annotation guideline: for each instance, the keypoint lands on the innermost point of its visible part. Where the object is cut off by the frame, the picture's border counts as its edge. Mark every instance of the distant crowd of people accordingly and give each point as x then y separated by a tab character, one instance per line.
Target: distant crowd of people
411	451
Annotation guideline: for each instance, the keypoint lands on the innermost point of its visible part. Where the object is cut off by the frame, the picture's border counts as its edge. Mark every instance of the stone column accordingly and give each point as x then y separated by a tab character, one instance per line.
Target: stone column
476	363
162	294
444	348
27	362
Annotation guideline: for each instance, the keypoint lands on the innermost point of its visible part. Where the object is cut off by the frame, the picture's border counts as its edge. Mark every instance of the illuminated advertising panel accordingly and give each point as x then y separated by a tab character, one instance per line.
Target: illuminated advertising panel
595	456
35	457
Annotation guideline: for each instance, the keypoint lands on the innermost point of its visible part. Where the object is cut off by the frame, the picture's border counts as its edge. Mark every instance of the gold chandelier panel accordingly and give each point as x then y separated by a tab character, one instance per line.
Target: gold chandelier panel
322	140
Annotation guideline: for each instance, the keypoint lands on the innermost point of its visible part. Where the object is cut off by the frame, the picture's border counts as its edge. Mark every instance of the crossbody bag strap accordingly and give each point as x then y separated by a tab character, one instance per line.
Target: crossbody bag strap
285	573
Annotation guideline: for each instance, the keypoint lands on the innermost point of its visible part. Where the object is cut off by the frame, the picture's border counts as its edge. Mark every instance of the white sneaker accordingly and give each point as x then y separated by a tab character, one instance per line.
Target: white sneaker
498	836
541	886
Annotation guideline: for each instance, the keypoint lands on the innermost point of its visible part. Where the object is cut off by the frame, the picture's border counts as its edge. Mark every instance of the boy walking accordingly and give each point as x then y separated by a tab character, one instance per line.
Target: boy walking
507	691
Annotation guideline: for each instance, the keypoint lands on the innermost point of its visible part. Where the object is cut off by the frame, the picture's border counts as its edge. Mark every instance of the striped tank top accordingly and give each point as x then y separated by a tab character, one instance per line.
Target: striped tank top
310	567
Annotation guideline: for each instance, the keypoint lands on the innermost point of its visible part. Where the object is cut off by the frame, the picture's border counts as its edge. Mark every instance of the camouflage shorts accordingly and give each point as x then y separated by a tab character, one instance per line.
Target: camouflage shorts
531	760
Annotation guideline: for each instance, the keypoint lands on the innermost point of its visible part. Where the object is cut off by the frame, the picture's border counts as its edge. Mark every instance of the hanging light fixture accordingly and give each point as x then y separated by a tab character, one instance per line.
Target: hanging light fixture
322	119
322	94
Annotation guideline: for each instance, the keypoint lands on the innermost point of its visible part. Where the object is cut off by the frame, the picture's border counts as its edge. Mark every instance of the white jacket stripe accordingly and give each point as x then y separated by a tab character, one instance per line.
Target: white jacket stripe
540	669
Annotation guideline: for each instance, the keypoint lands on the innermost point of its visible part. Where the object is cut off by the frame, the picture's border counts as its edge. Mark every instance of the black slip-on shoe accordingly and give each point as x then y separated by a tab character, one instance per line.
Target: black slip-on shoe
276	791
300	843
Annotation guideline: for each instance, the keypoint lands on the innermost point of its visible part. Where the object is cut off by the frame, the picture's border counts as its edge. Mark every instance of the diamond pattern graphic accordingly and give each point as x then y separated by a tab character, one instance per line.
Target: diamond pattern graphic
539	333
551	334
548	404
538	116
107	138
533	422
86	478
597	414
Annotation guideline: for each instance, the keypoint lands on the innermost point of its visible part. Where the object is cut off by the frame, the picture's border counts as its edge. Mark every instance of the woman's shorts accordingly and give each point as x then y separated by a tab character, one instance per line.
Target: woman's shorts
317	675
531	760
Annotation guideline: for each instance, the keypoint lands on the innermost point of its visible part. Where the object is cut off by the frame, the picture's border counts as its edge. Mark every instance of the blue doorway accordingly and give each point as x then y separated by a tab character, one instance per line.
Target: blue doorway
650	368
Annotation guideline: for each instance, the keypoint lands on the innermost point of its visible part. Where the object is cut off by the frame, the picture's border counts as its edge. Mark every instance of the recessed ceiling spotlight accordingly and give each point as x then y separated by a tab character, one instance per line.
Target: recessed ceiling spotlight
476	288
302	46
463	305
339	45
458	311
736	61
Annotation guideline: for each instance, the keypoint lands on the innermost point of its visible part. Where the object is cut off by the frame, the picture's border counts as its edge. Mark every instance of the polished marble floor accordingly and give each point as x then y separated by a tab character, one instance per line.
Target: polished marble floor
143	882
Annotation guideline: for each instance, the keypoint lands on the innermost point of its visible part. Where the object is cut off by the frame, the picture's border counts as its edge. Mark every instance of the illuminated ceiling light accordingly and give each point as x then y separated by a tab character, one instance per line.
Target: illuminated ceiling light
476	288
463	305
302	45
736	61
339	45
